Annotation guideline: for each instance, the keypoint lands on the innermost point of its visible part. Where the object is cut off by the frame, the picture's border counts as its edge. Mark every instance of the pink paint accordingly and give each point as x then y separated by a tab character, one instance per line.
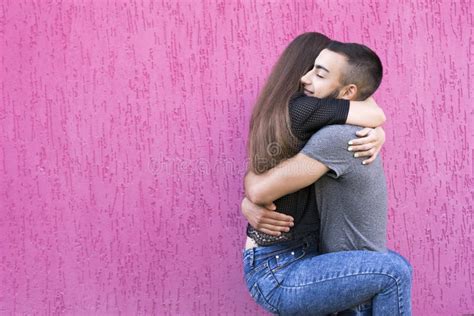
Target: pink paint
123	130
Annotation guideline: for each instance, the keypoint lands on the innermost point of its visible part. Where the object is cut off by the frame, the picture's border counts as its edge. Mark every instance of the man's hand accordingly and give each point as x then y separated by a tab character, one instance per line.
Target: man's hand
266	219
369	143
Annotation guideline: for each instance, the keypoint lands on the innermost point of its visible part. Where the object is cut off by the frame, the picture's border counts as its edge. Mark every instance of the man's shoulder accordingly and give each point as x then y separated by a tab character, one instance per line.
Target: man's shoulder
300	100
339	128
329	146
332	139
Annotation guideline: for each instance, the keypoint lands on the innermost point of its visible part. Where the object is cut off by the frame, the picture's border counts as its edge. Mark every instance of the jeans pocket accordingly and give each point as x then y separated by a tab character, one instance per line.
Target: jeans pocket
258	297
284	259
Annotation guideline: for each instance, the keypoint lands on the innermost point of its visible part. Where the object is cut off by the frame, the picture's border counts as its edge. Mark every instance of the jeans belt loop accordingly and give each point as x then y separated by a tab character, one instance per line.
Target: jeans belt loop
252	257
309	240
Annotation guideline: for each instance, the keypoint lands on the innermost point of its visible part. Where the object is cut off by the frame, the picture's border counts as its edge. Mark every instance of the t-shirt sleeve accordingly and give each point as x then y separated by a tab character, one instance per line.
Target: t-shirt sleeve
329	146
309	114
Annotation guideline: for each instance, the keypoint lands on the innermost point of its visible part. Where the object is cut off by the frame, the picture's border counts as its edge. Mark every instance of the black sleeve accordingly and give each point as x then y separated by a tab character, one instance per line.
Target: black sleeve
309	114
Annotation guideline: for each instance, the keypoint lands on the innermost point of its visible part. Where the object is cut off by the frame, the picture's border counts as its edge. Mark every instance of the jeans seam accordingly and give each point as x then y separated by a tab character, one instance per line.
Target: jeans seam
399	295
256	270
257	288
400	304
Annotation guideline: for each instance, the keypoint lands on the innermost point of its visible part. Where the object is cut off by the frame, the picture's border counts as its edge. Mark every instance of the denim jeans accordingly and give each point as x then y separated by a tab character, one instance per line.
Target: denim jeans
292	278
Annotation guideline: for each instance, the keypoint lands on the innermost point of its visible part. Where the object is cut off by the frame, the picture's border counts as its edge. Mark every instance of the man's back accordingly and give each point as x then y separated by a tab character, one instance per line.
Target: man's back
351	197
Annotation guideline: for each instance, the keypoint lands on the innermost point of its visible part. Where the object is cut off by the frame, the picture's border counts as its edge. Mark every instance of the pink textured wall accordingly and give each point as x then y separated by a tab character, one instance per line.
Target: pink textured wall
123	129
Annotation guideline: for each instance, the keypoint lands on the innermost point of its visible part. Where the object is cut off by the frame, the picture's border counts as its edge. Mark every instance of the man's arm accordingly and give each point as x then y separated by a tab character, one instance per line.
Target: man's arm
326	150
270	221
265	218
287	177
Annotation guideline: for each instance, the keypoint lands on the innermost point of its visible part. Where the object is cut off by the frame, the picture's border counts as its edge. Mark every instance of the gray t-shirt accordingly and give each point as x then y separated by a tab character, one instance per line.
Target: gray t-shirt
351	197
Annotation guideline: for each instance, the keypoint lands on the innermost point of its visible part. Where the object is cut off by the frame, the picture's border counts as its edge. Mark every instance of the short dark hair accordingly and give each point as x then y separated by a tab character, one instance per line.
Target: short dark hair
365	68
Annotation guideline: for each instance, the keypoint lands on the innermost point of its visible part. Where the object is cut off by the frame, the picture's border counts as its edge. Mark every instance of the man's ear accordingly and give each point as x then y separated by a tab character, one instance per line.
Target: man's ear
348	92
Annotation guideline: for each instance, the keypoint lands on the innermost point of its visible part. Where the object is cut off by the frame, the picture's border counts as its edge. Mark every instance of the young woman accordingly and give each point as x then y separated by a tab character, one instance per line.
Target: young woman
286	274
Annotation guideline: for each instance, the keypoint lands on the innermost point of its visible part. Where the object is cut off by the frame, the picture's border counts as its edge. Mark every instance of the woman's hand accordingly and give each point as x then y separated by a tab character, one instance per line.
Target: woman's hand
369	143
266	219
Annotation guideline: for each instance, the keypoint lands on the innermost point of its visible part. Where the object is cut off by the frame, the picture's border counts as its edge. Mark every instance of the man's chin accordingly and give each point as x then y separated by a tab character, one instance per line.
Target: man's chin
333	95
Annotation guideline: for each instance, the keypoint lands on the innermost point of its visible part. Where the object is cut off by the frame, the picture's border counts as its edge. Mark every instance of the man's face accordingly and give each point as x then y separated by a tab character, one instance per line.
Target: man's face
323	81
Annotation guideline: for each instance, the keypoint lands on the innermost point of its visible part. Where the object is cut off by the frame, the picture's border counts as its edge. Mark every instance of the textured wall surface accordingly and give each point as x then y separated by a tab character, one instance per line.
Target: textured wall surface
123	127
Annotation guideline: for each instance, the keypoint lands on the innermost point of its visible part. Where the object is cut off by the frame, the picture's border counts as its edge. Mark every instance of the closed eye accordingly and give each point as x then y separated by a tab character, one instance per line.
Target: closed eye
320	76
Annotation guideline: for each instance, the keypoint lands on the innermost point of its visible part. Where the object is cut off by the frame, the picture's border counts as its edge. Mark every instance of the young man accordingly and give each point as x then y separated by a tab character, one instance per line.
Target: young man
351	197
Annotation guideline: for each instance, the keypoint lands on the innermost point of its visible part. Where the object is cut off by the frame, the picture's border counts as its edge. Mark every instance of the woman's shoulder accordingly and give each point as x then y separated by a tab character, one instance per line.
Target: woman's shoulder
300	100
297	96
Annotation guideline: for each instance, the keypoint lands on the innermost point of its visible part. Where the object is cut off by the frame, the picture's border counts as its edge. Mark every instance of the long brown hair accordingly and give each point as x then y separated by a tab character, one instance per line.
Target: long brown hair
270	136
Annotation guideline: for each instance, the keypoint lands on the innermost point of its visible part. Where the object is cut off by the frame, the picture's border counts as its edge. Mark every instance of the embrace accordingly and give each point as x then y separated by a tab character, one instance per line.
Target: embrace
315	191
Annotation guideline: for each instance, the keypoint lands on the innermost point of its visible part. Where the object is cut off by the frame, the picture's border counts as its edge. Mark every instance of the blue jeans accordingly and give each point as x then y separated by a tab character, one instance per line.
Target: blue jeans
292	278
